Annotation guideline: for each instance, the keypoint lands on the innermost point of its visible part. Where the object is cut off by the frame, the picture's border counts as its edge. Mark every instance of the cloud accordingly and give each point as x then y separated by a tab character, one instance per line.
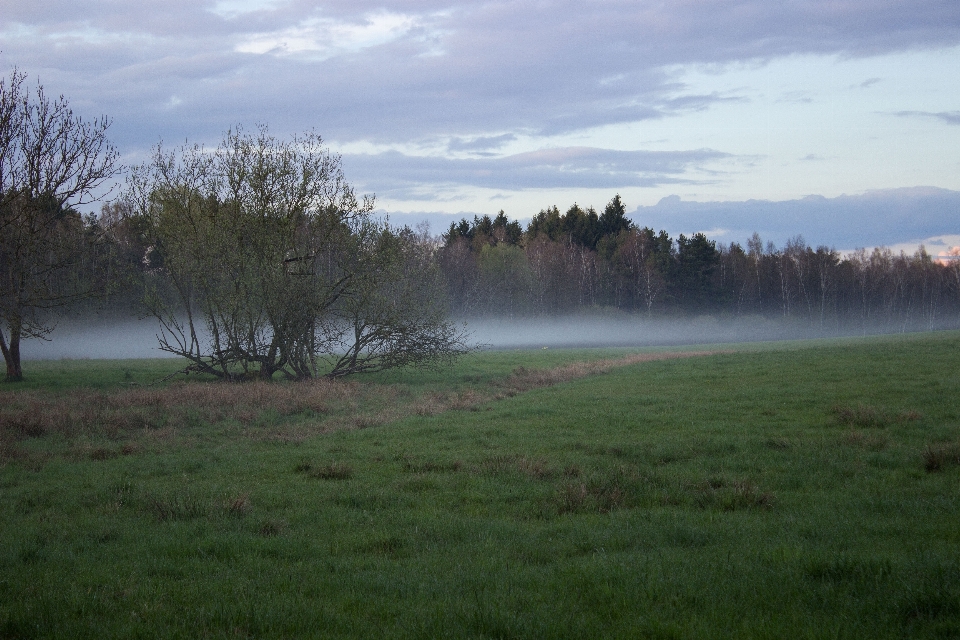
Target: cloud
950	117
235	8
881	217
480	144
322	38
401	176
405	71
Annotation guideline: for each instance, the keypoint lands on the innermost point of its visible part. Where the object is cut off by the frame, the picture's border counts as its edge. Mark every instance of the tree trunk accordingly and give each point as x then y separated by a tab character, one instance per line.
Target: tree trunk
11	352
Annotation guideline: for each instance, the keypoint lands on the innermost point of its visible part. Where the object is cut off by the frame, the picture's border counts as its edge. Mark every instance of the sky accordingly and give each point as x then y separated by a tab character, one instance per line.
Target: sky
834	120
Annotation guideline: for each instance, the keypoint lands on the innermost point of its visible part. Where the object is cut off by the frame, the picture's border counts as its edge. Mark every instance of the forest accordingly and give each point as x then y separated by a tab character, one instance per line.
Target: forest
582	259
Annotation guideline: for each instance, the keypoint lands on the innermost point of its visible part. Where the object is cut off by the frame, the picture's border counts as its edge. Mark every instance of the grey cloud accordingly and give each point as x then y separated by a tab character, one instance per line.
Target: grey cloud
502	67
403	176
882	217
483	143
950	117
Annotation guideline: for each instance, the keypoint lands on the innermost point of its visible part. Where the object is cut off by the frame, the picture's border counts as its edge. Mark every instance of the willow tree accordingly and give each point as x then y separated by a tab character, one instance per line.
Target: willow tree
265	261
51	162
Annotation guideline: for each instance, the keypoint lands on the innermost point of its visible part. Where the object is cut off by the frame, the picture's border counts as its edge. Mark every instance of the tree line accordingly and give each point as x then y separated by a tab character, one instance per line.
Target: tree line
582	259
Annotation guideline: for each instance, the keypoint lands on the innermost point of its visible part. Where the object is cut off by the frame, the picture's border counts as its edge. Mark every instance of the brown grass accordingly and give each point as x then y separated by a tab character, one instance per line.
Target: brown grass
937	457
582	497
142	418
523	379
330	471
532	467
867	416
731	496
870	441
119	414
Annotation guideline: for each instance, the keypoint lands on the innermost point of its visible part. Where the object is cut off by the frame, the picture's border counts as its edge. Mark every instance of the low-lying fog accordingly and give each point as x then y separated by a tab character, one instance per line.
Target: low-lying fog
104	339
633	331
138	338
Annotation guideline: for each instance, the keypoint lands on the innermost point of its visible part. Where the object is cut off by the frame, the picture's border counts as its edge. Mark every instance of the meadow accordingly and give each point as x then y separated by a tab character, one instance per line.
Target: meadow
790	489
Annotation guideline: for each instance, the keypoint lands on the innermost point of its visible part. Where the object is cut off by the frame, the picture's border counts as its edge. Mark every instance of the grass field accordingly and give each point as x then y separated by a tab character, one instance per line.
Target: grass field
770	491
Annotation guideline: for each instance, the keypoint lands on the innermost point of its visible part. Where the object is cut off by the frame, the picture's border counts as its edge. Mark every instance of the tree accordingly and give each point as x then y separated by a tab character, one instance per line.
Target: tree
392	315
614	219
268	263
696	260
505	279
51	162
637	257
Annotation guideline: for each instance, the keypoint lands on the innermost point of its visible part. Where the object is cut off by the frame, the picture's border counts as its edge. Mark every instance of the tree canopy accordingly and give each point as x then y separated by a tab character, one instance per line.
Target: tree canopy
267	262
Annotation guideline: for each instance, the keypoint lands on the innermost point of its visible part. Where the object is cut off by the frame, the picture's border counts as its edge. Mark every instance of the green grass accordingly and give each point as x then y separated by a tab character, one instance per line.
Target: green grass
782	490
93	374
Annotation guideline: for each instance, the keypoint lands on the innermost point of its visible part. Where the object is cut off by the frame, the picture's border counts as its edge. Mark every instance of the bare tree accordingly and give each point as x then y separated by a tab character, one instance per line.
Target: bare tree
636	253
51	161
826	263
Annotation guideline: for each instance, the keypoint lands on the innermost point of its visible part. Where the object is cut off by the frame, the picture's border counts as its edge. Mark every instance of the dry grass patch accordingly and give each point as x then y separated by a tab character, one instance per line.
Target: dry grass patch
171	415
722	495
523	379
329	471
33	414
532	467
870	441
939	456
583	497
870	417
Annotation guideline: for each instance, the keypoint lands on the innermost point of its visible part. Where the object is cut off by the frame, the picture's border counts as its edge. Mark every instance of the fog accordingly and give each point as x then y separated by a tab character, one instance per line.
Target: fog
103	339
138	338
632	331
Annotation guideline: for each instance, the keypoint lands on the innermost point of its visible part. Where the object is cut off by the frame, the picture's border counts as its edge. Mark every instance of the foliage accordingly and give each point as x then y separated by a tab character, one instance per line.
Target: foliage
51	162
391	314
266	262
483	231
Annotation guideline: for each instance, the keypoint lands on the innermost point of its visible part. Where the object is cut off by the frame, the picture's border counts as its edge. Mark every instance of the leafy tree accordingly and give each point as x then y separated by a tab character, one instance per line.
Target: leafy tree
392	315
268	263
546	223
459	267
614	219
51	162
506	279
484	231
696	260
506	231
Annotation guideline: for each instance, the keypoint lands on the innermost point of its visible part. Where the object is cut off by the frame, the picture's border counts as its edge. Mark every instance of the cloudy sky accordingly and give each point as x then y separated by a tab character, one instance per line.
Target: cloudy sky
838	120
